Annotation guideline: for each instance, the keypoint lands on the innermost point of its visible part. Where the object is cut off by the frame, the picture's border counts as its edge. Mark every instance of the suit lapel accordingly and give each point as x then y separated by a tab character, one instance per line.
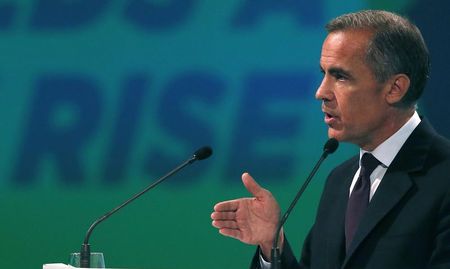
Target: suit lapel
395	184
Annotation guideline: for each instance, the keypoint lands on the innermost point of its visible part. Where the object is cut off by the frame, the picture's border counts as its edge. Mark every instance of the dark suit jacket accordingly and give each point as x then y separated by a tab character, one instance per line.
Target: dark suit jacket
407	223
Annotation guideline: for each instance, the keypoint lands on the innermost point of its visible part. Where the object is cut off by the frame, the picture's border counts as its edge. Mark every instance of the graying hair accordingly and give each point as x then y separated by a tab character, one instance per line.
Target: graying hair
396	47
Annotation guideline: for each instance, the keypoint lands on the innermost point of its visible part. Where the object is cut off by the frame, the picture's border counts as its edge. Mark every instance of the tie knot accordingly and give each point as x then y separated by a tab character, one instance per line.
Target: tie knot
368	164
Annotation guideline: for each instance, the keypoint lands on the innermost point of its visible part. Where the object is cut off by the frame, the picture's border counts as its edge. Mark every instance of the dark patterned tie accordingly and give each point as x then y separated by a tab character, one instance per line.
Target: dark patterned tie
359	198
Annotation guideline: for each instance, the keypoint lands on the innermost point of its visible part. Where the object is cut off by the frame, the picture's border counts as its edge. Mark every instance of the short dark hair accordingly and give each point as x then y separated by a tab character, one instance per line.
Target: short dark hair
396	47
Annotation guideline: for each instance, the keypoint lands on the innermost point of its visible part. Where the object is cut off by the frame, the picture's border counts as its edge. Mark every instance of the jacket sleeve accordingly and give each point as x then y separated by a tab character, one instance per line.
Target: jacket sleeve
288	260
440	257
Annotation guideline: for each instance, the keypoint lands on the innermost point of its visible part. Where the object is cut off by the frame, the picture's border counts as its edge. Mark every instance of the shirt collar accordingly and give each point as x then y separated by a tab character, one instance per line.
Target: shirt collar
387	150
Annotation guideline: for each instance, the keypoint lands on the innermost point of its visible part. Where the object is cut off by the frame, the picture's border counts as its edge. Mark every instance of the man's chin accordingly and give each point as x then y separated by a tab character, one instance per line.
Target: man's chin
333	133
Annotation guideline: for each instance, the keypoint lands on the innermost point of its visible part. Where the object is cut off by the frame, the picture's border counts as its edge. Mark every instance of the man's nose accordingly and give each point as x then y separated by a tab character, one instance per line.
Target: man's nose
324	92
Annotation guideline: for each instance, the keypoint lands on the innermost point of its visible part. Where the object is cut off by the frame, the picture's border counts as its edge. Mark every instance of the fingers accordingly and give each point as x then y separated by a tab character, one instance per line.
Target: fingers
231	205
233	233
227	224
228	215
251	185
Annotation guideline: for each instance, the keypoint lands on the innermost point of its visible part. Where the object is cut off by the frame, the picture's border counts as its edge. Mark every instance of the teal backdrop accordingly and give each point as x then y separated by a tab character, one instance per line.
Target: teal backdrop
99	98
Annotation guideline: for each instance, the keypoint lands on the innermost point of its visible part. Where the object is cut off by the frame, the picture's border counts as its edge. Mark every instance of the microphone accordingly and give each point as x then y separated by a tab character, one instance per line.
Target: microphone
85	252
330	147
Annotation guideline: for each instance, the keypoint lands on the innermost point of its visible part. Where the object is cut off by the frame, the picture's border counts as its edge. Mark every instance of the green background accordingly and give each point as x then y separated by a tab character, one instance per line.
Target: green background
44	220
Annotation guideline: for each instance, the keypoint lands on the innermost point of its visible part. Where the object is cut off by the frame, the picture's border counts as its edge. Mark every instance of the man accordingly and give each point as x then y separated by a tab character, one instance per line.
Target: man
389	206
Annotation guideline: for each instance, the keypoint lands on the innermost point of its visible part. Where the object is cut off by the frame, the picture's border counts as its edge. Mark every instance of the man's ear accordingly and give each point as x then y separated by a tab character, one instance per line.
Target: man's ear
399	86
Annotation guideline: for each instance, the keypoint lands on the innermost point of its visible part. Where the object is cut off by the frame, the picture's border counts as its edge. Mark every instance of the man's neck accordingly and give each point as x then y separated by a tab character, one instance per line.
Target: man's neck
393	124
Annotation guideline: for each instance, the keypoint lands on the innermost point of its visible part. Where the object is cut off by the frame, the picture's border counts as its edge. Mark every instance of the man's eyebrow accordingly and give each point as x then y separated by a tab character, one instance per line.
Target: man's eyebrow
339	71
334	69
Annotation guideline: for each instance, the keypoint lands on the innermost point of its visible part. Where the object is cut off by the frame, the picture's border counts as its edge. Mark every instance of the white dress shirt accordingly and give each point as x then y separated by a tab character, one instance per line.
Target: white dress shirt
385	153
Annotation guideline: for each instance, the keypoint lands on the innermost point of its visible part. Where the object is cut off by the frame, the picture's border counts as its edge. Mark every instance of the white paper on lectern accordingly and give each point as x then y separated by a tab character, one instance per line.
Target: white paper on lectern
62	266
57	266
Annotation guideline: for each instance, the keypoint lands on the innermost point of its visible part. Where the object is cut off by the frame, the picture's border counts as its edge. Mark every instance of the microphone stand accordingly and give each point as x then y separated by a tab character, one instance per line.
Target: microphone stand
330	147
85	252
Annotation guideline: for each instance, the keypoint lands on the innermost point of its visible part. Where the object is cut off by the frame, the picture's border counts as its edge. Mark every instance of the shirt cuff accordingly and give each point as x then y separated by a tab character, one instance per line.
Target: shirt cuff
263	263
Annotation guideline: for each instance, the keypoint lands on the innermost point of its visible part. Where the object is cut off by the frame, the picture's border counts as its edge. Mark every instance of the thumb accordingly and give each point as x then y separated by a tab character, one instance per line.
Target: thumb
251	185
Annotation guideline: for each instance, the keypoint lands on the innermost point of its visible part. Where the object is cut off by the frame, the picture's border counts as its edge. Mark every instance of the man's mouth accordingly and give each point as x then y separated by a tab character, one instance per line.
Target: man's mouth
330	118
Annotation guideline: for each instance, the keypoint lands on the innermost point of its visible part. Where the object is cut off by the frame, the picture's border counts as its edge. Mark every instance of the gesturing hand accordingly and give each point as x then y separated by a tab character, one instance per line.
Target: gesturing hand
250	220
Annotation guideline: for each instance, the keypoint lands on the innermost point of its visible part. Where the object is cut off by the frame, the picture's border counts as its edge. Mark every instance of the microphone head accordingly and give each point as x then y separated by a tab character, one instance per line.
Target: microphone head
203	153
331	145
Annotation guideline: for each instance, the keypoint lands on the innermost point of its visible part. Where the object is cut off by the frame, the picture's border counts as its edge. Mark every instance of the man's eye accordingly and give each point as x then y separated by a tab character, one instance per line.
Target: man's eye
340	77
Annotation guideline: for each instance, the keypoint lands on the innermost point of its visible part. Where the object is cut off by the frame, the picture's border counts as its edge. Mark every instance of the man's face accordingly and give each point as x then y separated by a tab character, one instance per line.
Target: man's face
352	100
